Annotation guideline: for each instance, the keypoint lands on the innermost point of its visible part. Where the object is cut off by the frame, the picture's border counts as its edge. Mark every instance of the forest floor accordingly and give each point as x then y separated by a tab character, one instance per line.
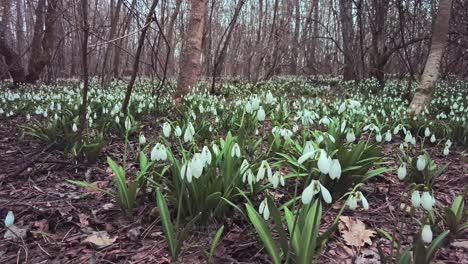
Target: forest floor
60	217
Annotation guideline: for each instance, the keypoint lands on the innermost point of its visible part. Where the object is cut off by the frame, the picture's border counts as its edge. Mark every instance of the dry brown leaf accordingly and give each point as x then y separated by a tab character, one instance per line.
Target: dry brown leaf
460	244
354	232
100	239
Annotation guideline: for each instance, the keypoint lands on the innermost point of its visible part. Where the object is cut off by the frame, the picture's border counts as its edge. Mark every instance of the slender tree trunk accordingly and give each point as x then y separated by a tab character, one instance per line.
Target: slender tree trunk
190	68
84	66
171	38
426	87
347	32
136	62
111	48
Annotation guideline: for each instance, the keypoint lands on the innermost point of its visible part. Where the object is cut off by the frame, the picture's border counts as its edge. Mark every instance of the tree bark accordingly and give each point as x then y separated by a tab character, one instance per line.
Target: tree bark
431	72
347	32
84	66
190	67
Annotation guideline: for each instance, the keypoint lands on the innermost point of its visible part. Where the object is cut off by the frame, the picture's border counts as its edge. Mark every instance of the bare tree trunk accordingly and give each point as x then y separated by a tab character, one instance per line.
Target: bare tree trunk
84	65
295	48
43	40
190	68
111	47
136	62
19	28
347	32
120	42
426	88
170	37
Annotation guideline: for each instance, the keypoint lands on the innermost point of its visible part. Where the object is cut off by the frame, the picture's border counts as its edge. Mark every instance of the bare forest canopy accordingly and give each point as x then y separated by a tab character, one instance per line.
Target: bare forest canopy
248	39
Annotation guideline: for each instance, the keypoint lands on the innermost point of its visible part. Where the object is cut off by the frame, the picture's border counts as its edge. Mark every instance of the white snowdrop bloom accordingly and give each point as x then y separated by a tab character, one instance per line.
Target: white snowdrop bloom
402	171
178	131
142	139
166	129
295	128
128	124
74	127
324	162
352	202
263	209
421	163
309	147
335	169
269	98
188	136
427	132
28	117
343	126
117	119
235	152
248	107
197	165
388	136
159	152
306	156
342	108
206	155
426	234
427	201
255	103
325	120
9	219
314	188
378	138
244	166
261	114
186	171
350	137
275	179
408	137
416	199
433	138
446	151
215	149
264	168
362	198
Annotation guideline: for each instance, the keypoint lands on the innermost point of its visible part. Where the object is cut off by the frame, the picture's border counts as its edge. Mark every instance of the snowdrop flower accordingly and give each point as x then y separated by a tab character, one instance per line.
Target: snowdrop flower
324	162
408	137
264	167
295	128
350	137
426	234
10	219
261	114
166	129
427	201
158	152
402	171
446	151
215	149
197	165
74	127
186	171
128	123
306	156
263	209
388	136
314	188
117	119
275	180
427	132
255	103
335	169
206	155
188	136
269	98
235	152
362	198
178	131
421	163
325	120
248	108
416	199
433	138
378	138
342	108
142	139
352	202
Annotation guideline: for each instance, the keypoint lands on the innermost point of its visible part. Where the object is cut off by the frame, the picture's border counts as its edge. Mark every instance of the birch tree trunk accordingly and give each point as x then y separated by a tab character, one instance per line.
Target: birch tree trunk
431	72
190	67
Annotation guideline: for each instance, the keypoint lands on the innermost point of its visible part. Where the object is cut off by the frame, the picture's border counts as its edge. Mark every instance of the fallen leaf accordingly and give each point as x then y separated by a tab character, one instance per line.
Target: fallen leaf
354	232
100	239
83	220
40	226
460	244
15	233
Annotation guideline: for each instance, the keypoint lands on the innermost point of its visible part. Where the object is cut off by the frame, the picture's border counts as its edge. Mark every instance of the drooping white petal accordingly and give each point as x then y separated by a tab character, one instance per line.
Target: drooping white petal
416	198
427	201
421	163
426	234
305	157
335	169
325	194
10	219
402	171
309	193
324	162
